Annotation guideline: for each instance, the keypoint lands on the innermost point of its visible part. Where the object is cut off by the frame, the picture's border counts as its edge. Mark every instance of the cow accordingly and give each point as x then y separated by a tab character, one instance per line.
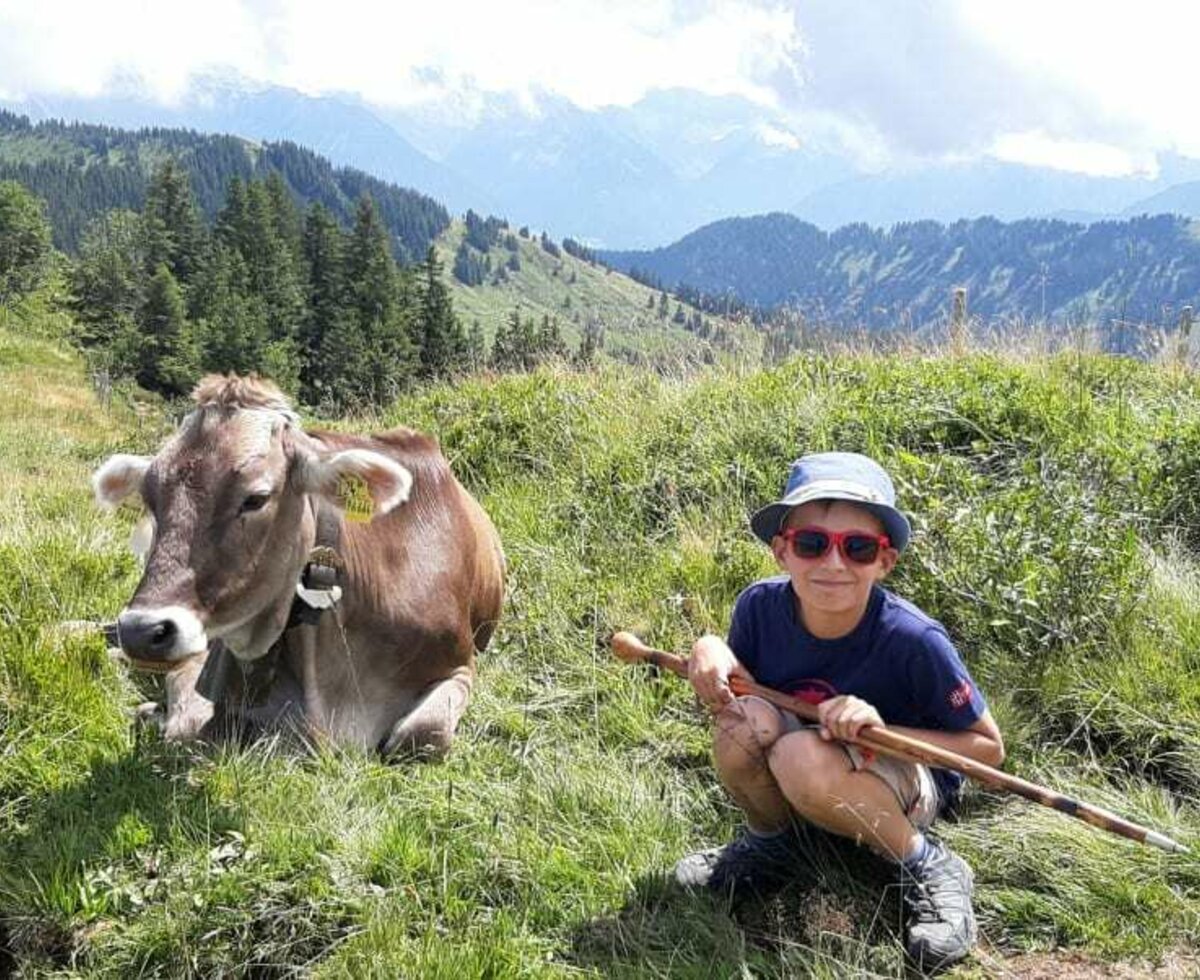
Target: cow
262	600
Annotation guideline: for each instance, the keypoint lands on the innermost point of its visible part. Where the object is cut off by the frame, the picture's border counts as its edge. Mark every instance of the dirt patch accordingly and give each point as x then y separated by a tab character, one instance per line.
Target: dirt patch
1068	965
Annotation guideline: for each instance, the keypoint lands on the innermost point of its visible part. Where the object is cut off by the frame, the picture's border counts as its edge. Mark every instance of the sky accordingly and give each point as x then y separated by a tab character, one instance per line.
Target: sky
1101	87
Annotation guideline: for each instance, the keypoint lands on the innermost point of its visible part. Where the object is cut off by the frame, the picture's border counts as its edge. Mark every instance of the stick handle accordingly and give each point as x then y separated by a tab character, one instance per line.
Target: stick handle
630	649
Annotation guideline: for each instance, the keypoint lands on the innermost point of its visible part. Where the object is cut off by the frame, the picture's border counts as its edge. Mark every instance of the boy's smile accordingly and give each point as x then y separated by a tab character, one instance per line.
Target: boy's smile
832	592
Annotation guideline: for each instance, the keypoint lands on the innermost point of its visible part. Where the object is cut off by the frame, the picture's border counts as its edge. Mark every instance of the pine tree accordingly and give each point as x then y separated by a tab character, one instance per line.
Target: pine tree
283	211
323	248
231	323
550	343
526	344
443	345
24	241
174	234
374	295
591	342
506	353
476	346
233	222
167	362
340	378
468	269
108	281
271	254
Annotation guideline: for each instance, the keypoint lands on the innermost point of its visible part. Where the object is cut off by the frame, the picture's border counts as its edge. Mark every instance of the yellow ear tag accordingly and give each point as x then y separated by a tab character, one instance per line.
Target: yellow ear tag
355	498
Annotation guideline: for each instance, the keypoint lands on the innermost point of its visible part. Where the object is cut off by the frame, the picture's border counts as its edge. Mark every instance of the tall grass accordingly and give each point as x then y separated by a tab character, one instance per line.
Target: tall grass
1054	503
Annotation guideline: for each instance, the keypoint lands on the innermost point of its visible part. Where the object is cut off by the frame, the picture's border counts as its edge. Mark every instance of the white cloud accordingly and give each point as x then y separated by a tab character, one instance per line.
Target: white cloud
593	54
1098	88
770	135
1078	156
54	46
1119	73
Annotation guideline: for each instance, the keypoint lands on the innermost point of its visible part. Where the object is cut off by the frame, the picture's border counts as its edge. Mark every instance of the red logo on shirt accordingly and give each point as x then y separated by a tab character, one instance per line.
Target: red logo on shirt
960	697
814	690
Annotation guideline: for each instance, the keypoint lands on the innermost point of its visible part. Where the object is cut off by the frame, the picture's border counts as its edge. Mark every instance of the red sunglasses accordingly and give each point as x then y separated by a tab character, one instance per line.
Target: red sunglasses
860	547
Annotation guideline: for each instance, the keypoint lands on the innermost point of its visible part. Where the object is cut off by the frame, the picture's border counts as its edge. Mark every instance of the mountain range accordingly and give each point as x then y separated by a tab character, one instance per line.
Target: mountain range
630	177
1141	269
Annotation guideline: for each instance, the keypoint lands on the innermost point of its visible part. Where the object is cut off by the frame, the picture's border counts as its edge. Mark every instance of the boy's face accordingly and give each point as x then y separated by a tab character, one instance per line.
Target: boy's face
832	586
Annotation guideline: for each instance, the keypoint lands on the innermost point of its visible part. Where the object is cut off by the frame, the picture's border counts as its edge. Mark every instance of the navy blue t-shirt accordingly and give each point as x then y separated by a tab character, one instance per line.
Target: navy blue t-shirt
897	659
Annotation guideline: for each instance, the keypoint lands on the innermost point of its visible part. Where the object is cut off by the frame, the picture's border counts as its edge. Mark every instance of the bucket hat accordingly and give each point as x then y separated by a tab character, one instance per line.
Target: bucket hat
836	476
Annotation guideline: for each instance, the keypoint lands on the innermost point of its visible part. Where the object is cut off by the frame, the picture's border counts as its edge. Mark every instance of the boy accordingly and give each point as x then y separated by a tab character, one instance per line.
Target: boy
829	633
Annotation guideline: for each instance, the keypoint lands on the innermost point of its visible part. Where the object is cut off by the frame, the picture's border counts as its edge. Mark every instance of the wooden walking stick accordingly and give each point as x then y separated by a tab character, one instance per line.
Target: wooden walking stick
630	649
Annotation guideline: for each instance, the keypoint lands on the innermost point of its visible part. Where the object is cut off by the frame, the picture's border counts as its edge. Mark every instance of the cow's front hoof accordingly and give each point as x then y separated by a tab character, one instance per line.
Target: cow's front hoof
423	746
187	725
150	714
174	726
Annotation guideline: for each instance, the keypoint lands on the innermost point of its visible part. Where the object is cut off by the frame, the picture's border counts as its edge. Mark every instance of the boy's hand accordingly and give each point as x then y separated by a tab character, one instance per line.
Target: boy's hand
843	717
710	666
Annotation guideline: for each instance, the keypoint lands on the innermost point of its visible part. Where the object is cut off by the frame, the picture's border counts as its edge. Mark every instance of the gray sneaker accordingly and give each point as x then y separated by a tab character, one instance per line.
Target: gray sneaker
748	863
937	895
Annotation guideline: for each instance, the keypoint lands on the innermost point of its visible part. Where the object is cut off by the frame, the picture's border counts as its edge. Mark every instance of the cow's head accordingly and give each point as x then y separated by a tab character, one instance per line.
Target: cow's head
230	519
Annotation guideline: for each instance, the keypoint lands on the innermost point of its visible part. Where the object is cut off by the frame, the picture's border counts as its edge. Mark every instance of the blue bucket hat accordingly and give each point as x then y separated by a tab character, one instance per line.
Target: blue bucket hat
836	476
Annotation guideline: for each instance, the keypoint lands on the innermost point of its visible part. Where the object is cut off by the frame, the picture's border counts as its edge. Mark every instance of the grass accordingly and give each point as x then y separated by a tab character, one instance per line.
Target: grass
1054	504
574	292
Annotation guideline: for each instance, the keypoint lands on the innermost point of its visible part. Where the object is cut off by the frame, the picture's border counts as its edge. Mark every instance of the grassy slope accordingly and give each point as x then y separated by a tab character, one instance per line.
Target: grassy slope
539	848
35	148
38	147
542	287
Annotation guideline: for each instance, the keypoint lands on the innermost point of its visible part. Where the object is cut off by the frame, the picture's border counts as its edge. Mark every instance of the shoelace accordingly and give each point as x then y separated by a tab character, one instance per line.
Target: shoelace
922	897
921	903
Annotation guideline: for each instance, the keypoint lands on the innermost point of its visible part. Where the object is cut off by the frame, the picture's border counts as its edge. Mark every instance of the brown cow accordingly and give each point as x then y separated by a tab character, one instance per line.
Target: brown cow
237	501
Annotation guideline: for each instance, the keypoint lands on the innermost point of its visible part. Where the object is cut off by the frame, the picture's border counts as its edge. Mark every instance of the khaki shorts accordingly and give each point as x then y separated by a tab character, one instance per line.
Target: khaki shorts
911	782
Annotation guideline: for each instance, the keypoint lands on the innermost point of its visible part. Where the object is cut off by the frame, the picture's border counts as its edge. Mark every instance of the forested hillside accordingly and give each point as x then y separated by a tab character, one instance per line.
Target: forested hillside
1143	269
232	261
497	270
159	297
83	171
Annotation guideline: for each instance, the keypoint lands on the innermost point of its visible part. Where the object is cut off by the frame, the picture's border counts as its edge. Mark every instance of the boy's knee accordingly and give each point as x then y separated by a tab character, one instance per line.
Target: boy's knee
745	730
707	642
806	766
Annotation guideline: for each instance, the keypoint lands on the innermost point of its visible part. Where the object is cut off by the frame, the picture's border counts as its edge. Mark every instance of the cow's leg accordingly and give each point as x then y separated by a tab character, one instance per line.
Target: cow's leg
186	710
428	729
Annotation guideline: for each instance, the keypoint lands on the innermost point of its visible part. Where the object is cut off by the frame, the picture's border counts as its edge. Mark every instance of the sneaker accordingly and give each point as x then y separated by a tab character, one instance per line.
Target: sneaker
748	863
941	925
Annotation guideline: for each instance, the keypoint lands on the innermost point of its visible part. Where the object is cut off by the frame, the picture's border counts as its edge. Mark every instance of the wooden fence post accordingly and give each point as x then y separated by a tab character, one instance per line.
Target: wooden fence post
1185	334
958	321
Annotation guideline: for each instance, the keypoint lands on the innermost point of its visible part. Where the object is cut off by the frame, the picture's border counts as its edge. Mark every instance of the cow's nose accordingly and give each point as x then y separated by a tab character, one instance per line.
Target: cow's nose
147	635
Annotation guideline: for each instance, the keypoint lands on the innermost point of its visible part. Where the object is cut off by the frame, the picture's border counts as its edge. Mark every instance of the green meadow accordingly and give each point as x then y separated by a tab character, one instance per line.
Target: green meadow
1056	506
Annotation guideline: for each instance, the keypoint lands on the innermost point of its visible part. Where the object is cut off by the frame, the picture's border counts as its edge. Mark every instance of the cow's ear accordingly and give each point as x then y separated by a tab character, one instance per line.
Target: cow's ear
340	476
120	476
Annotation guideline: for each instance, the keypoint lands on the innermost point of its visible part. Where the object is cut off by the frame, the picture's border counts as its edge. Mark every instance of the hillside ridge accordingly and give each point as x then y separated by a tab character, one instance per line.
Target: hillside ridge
1144	268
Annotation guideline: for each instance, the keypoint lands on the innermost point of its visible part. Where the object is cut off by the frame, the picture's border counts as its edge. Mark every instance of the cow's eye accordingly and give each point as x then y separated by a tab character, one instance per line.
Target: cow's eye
256	501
